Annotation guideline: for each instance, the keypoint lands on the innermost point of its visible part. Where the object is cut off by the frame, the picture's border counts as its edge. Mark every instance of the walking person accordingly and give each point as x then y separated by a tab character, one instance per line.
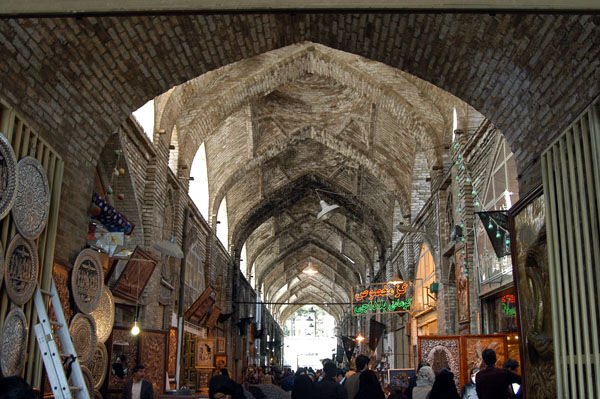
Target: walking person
444	386
353	381
369	386
136	387
412	382
328	387
468	390
493	382
425	380
304	388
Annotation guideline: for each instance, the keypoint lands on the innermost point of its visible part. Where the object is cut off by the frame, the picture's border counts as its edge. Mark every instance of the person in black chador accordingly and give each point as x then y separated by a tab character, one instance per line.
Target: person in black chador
120	367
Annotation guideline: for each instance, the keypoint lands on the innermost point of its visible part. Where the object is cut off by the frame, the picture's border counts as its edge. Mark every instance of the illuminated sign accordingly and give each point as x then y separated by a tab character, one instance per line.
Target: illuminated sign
508	305
382	298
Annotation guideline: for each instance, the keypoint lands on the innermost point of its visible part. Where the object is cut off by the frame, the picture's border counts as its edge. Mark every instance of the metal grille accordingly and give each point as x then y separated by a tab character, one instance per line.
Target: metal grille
571	172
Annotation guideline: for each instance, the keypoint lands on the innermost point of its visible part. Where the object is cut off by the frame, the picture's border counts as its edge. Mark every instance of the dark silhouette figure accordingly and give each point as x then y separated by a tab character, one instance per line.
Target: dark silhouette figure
444	386
304	388
369	387
493	382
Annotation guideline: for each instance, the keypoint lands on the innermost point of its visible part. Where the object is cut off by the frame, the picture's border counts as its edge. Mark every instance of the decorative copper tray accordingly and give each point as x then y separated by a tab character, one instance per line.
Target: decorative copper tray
13	344
8	176
87	281
98	365
32	200
104	315
83	333
21	270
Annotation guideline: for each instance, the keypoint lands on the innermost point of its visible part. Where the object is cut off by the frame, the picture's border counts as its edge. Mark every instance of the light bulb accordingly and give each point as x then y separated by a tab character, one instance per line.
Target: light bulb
473	193
476	204
468	179
135	330
507	242
456	177
490	226
456	146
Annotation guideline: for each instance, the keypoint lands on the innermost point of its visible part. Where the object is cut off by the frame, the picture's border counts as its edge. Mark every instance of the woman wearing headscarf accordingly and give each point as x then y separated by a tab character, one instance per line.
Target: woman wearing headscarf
303	388
468	391
369	387
221	386
425	380
444	386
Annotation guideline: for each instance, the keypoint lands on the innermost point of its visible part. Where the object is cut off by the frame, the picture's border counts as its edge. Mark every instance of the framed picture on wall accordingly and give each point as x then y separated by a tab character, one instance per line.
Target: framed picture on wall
400	375
221	345
205	352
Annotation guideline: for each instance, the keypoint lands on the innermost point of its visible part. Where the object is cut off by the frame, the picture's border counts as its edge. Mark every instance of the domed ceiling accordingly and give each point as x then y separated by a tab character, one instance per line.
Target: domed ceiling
304	123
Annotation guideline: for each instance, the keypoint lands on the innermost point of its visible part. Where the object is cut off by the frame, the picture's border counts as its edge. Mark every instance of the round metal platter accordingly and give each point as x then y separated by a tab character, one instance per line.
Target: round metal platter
20	270
83	333
8	176
98	365
32	203
87	281
104	315
89	380
13	344
1	263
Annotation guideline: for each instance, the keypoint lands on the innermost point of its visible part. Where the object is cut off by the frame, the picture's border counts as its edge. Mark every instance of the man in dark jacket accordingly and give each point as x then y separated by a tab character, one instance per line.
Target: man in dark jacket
328	387
137	388
493	382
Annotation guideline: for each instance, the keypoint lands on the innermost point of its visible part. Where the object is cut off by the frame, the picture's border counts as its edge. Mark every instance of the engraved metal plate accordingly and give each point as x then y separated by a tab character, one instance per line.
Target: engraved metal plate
104	315
32	201
83	333
13	344
89	380
8	176
87	281
1	263
98	365
21	270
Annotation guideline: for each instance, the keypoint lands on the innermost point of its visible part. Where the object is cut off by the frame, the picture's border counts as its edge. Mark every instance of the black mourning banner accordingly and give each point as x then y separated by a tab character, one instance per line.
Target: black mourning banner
339	355
375	332
349	345
498	220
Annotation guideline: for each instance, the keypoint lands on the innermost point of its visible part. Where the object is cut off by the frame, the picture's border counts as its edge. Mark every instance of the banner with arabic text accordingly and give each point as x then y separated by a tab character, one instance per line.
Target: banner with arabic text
380	298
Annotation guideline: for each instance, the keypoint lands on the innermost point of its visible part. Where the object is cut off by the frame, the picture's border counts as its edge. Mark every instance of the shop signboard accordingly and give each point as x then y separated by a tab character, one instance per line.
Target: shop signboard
380	298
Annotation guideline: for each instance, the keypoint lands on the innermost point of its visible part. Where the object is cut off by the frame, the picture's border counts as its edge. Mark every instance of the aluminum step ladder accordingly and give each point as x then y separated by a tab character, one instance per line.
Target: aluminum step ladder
53	360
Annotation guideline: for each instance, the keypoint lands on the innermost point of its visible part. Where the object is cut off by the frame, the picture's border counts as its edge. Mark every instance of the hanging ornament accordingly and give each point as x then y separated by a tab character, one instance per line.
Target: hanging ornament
507	241
117	153
462	225
473	192
459	209
462	252
121	196
109	191
476	204
490	226
462	167
121	171
498	235
459	156
456	146
468	179
457	177
457	162
464	262
462	239
115	172
459	195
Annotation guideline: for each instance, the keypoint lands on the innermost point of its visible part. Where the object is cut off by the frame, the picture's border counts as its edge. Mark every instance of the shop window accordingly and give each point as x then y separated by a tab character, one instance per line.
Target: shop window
424	281
194	276
501	193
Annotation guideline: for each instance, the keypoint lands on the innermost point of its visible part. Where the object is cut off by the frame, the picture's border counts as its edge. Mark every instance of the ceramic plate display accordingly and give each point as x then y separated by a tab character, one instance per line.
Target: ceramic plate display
13	344
83	333
20	270
104	315
8	176
87	281
98	365
32	201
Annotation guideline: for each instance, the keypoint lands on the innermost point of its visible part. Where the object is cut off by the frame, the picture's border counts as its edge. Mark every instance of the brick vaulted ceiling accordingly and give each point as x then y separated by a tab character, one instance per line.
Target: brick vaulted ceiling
288	103
301	123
